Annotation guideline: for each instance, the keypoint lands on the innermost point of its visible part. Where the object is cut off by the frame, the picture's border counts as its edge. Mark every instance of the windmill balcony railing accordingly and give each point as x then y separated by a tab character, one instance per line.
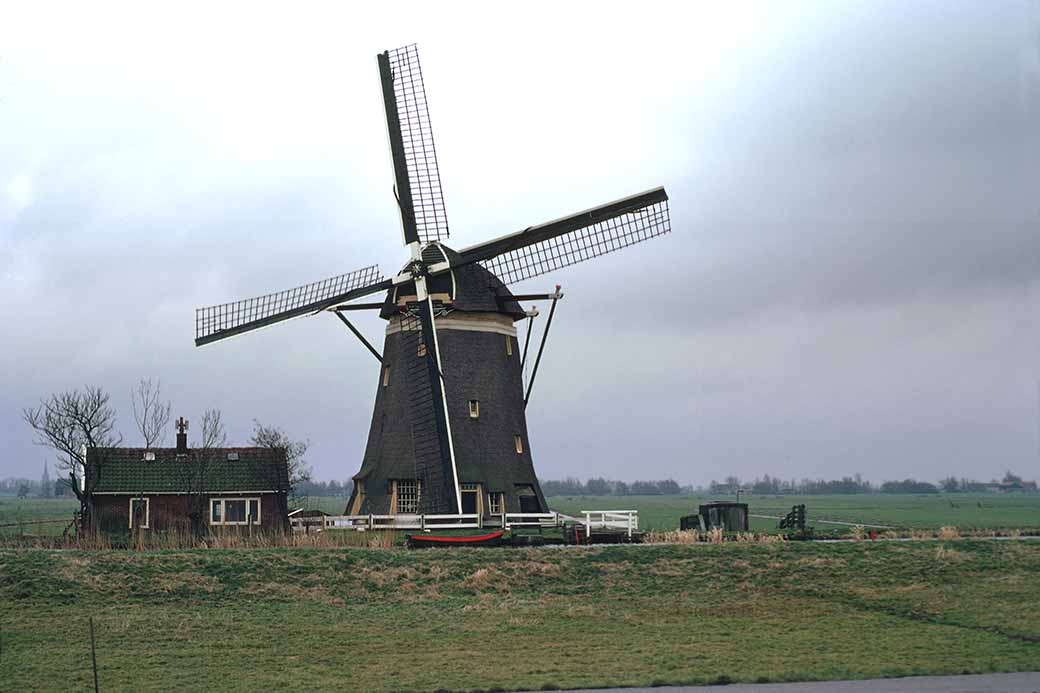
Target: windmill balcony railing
424	522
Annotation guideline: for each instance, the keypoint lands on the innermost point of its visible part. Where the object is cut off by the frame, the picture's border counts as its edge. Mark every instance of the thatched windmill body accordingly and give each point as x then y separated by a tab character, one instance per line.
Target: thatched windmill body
448	432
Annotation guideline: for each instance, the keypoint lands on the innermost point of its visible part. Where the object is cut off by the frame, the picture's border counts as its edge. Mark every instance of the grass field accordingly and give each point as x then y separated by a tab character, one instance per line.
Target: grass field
24	513
473	619
982	511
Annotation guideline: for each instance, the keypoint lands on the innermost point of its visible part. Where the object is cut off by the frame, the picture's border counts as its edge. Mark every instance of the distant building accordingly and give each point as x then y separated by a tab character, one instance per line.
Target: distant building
214	489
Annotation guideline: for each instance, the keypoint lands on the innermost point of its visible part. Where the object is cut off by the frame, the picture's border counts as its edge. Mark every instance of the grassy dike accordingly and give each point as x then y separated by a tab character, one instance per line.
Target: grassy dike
492	619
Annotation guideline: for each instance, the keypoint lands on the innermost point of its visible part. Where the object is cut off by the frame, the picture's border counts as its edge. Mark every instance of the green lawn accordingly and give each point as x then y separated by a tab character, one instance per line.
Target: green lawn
473	619
24	514
982	511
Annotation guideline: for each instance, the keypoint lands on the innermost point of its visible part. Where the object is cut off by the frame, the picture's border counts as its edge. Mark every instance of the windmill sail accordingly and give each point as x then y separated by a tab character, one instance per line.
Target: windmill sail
573	239
411	144
228	319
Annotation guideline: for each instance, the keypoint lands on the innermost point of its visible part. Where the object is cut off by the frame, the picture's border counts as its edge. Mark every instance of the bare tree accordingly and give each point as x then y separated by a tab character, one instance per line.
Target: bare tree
275	438
196	474
151	414
213	433
70	422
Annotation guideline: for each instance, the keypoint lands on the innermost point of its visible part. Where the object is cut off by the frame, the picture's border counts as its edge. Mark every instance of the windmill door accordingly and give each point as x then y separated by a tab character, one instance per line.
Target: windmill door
470	499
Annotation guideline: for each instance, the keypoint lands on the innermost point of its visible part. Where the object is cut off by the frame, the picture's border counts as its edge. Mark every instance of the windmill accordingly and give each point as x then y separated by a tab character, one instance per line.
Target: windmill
448	432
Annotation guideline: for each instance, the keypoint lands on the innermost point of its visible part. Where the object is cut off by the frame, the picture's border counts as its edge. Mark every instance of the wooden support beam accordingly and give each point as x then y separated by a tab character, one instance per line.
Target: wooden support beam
358	306
379	357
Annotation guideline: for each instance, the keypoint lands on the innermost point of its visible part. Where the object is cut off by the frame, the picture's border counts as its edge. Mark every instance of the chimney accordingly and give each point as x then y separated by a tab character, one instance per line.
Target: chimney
182	436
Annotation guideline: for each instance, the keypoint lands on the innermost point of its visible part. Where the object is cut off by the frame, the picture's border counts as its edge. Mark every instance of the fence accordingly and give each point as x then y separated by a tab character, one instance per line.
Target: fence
424	522
623	520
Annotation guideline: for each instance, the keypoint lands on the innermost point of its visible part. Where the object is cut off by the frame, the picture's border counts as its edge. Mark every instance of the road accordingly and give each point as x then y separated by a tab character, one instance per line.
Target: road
1027	682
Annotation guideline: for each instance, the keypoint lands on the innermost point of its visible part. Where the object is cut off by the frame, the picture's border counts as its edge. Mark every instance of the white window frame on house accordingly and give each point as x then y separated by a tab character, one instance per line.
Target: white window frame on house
223	510
147	512
495	501
409	494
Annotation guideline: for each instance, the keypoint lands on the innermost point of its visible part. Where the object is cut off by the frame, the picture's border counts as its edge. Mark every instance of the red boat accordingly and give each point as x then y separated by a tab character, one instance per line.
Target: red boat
422	540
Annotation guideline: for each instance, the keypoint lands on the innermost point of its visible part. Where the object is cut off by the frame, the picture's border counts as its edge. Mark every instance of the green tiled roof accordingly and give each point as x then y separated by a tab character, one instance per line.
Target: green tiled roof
125	470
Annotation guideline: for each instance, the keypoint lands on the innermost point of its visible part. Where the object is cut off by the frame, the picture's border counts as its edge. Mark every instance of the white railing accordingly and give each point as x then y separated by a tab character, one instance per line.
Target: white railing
626	520
424	522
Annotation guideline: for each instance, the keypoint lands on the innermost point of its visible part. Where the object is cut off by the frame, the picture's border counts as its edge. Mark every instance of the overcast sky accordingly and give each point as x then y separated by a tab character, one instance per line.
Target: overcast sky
852	283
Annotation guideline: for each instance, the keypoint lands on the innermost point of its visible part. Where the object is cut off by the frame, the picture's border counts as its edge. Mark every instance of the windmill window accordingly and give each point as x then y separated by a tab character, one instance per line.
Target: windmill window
518	444
149	456
408	496
139	513
509	345
421	351
474	409
234	511
494	503
386	376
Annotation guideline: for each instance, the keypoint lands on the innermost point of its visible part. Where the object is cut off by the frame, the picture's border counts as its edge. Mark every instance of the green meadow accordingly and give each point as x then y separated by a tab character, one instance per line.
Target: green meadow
506	619
964	511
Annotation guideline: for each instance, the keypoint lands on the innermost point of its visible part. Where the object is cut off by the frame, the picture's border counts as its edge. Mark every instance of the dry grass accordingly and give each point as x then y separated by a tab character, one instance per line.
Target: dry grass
948	532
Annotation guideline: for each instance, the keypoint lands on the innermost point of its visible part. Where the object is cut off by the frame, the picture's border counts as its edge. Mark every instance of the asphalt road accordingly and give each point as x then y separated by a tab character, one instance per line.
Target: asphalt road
1028	682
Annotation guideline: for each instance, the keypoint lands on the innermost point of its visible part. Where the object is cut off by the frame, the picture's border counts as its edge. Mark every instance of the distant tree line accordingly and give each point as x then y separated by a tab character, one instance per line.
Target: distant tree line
34	488
603	487
768	485
311	487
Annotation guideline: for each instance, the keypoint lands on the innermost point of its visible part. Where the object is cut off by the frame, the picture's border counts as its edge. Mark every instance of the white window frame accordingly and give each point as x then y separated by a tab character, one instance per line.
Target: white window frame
474	409
223	510
147	512
495	503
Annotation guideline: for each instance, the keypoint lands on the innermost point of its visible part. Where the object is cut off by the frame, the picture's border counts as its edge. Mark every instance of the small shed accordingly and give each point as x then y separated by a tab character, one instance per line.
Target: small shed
729	517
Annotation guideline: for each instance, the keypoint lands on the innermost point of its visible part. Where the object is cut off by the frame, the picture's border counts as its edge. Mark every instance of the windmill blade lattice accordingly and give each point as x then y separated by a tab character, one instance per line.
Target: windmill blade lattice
574	239
424	179
228	319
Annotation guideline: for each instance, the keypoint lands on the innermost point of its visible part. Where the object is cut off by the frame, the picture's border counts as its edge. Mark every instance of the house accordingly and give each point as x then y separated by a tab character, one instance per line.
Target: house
187	489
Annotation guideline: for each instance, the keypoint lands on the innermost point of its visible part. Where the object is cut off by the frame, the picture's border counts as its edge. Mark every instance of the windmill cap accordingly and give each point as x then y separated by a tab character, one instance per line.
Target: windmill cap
472	288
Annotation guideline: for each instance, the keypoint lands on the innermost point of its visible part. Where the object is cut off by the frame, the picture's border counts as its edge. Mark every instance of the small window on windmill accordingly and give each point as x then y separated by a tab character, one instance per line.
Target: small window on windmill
474	409
408	496
149	456
518	444
421	351
233	456
509	345
386	376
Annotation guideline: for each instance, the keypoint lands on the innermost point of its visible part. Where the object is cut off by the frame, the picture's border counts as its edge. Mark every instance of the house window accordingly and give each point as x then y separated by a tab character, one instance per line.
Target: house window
139	513
518	444
234	511
509	345
408	496
495	503
474	409
386	376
